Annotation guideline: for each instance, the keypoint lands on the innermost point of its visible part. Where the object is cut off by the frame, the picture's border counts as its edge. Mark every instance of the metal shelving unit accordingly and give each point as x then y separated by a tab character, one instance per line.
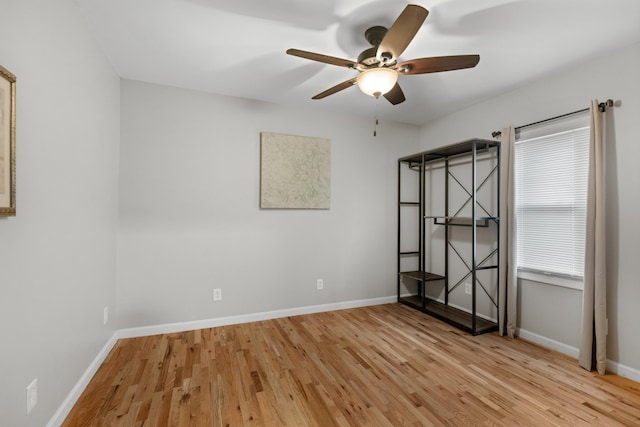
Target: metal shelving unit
413	279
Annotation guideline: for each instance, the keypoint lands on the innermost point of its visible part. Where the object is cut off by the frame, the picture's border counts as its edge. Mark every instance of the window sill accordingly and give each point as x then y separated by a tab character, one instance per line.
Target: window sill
550	279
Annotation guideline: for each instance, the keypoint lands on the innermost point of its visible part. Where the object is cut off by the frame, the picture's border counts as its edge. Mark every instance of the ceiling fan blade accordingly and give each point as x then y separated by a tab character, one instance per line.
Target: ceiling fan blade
401	33
325	59
336	88
395	95
436	64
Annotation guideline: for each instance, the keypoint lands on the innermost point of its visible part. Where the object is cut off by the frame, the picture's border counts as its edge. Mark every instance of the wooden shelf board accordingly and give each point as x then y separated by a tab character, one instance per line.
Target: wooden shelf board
410	253
461	221
421	275
451	315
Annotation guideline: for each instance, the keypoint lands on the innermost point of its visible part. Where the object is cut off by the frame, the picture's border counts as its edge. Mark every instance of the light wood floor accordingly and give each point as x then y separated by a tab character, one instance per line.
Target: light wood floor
385	365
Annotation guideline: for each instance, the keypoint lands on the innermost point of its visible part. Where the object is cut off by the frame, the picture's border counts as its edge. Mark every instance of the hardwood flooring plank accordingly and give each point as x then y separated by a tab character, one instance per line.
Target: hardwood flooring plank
384	365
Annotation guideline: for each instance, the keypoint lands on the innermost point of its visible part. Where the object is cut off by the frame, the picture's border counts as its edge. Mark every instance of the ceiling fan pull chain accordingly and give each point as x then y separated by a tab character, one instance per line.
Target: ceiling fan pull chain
375	126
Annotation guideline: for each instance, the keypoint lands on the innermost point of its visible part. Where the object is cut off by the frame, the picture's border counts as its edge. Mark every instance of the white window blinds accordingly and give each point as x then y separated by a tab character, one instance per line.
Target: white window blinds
551	193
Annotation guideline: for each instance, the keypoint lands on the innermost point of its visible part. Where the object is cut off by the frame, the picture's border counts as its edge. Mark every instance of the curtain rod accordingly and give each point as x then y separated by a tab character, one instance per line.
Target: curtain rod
601	107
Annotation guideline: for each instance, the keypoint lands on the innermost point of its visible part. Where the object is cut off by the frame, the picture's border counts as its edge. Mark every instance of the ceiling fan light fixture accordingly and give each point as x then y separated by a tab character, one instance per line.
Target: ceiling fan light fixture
377	81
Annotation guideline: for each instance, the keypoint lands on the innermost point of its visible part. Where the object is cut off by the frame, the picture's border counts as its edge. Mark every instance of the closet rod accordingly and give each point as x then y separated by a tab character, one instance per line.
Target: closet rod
601	107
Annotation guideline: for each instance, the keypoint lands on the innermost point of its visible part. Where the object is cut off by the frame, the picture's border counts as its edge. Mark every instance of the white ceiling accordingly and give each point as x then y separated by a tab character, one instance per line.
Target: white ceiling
237	47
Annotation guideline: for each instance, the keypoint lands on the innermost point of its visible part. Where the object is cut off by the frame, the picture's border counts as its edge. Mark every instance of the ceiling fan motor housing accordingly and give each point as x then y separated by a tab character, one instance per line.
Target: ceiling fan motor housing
374	36
368	57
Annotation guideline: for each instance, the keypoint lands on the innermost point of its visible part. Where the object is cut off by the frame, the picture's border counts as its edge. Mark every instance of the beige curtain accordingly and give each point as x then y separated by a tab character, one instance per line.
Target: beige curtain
508	280
593	351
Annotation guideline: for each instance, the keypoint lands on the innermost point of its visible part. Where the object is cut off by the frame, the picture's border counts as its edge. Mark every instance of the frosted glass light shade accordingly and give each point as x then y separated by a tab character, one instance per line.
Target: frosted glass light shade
377	81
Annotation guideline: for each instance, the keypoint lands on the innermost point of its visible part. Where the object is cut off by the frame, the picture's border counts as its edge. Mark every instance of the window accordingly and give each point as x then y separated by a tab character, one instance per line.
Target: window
551	163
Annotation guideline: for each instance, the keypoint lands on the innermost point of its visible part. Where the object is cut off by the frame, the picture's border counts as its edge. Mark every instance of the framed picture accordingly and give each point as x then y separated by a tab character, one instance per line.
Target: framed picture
295	172
7	143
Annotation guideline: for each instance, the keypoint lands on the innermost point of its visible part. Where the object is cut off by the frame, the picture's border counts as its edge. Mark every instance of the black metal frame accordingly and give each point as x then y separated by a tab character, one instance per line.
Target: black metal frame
470	322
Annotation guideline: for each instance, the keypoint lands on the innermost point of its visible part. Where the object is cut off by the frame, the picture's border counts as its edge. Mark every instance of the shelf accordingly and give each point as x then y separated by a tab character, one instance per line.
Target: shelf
487	267
462	221
421	276
449	314
418	232
414	301
413	253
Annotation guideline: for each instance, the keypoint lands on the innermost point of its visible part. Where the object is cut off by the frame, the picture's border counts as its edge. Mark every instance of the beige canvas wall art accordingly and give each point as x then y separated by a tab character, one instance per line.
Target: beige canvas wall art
295	172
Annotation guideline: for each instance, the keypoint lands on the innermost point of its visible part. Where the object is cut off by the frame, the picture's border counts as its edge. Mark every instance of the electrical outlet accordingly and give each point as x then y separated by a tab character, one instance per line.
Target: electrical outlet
320	284
467	288
105	316
217	294
32	395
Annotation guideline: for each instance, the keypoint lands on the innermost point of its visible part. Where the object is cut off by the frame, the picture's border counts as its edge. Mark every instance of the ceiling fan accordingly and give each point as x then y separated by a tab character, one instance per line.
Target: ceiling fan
378	67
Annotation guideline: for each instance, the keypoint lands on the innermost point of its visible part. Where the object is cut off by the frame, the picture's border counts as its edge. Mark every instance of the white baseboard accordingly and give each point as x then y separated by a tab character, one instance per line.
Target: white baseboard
547	342
623	370
64	409
613	367
168	328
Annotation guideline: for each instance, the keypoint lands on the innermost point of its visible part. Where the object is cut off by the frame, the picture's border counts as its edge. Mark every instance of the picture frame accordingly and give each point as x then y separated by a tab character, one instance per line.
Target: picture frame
7	143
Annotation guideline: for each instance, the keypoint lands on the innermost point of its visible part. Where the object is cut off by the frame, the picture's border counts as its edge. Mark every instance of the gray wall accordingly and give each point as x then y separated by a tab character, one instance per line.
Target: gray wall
57	257
190	219
549	311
